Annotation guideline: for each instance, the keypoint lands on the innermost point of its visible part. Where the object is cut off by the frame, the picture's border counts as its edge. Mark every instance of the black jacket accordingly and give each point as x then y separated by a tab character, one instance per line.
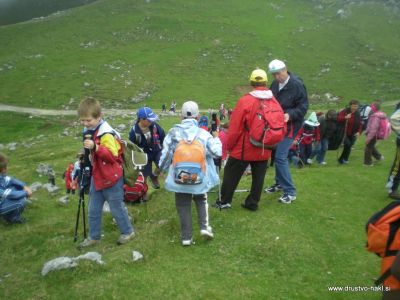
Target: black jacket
294	101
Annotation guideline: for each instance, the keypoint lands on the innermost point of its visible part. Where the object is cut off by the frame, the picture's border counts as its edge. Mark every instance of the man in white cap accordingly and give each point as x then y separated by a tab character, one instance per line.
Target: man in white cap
291	93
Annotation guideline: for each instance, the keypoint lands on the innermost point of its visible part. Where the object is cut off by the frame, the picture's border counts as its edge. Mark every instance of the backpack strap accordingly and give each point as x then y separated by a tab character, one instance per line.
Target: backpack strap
383	277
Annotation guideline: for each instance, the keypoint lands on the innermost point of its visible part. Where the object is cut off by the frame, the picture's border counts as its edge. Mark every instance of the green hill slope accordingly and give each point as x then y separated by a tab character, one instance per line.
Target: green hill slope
123	50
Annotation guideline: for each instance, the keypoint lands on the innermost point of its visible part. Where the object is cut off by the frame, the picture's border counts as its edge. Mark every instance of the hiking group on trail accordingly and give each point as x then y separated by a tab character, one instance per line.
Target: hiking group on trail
267	126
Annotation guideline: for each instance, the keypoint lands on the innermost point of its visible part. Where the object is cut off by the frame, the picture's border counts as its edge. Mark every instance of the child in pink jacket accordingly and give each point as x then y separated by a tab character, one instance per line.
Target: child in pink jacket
371	134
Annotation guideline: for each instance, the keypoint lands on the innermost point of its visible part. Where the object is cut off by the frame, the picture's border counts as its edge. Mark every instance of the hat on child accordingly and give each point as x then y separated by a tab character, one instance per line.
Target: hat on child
147	114
276	65
312	120
190	109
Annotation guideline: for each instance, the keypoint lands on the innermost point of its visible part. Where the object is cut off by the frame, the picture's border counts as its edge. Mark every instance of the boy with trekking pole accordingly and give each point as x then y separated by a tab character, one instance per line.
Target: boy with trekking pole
102	141
187	155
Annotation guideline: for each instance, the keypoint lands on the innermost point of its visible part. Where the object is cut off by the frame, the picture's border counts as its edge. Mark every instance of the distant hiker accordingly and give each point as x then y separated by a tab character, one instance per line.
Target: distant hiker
365	112
222	112
327	129
291	94
13	194
351	119
69	182
149	136
164	108
230	111
393	181
51	175
107	181
187	155
214	123
173	107
223	136
376	121
250	113
307	135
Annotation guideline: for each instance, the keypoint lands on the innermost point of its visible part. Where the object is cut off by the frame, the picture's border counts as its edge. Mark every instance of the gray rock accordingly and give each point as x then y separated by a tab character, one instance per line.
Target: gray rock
35	186
51	188
136	255
121	127
64	200
12	146
65	262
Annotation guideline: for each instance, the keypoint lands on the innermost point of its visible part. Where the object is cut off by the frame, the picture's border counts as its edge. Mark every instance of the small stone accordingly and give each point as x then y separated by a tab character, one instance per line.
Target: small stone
136	255
64	200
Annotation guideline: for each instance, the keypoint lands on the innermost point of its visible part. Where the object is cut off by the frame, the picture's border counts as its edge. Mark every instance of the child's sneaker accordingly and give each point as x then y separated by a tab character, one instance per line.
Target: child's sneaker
323	163
220	205
309	161
186	243
87	243
273	188
207	234
124	238
287	199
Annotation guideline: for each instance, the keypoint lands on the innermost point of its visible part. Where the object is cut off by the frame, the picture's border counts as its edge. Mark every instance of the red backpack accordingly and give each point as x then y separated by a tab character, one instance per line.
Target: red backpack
267	126
135	193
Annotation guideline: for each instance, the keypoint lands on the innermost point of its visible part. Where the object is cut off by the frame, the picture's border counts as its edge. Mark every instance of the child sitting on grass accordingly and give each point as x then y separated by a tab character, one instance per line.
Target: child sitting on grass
107	180
187	154
13	194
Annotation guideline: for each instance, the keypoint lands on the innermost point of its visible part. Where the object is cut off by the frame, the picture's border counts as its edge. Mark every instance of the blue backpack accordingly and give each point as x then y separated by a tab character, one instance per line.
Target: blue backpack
203	122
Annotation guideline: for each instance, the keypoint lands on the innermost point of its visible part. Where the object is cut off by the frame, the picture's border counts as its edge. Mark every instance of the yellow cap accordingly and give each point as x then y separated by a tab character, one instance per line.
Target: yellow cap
258	75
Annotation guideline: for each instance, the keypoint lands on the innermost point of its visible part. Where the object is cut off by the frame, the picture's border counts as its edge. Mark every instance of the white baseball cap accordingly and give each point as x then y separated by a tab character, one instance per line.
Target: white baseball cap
190	109
276	65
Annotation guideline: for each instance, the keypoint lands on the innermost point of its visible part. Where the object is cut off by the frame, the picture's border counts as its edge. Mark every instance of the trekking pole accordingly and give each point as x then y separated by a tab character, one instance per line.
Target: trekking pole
84	214
77	218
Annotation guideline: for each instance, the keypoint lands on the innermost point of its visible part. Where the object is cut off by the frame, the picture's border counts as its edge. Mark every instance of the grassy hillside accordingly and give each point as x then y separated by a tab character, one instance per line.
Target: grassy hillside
174	50
130	52
279	252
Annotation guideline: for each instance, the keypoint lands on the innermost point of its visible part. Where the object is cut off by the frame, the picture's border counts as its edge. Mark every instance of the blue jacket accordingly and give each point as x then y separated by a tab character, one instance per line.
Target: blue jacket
294	101
11	188
188	130
137	137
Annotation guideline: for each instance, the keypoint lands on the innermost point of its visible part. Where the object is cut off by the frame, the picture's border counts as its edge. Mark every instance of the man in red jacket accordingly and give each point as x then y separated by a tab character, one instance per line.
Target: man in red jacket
241	151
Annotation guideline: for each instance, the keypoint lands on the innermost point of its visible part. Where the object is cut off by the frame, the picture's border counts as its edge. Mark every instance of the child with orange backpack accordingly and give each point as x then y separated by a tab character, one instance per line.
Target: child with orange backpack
187	154
70	183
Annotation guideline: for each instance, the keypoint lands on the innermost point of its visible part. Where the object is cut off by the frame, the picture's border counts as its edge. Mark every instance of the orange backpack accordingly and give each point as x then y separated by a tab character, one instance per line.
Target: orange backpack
189	162
383	239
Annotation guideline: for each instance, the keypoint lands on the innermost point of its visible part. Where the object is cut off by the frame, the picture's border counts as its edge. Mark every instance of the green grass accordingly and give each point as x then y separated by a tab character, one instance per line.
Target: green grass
202	50
280	252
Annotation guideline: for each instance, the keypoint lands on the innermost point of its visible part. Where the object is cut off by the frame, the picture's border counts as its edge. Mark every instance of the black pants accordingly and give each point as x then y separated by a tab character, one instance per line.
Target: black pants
233	173
371	151
347	144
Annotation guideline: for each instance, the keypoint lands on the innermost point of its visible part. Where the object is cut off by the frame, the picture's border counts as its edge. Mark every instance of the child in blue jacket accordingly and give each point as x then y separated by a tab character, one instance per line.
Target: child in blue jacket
188	132
149	136
13	194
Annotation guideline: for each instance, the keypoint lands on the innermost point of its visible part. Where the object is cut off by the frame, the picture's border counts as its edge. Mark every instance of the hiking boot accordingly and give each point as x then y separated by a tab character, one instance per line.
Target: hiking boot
273	188
394	195
221	205
124	238
323	163
186	243
154	182
343	162
309	161
87	243
207	234
287	199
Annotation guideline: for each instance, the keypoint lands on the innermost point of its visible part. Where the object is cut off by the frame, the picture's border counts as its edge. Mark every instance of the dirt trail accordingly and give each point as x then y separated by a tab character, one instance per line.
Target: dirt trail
58	112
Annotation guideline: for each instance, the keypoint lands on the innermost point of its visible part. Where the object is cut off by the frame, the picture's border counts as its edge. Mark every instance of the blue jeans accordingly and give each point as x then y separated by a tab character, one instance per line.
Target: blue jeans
115	198
11	210
282	171
320	150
